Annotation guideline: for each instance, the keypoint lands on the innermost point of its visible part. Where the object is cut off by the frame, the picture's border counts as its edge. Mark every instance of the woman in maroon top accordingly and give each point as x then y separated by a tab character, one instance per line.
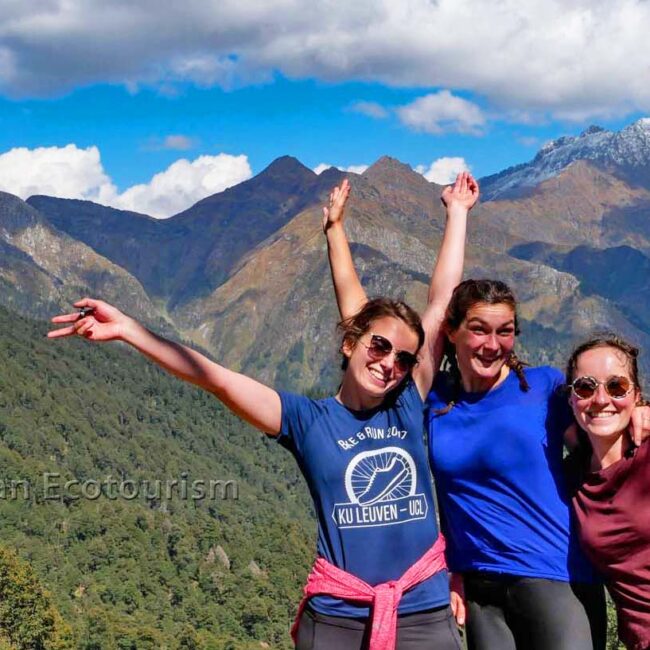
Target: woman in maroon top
611	500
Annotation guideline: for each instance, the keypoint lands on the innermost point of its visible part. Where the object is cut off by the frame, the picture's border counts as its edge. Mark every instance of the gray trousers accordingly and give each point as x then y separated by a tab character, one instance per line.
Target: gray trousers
513	613
430	630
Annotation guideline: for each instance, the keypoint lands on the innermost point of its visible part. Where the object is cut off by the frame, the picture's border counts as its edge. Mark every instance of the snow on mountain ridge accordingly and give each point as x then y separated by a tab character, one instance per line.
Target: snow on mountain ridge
629	147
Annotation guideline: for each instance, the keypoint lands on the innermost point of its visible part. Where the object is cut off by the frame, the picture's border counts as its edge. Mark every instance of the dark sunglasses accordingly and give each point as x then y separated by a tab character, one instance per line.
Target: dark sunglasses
615	387
380	347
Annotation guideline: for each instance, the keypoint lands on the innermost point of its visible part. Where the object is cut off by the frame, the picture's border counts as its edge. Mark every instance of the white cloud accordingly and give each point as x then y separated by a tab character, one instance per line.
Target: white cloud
354	169
370	109
568	58
73	173
67	172
442	112
184	183
444	170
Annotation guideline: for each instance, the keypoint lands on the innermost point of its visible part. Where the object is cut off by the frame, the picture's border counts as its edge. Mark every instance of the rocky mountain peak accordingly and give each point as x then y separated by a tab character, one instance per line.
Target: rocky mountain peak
387	164
627	152
394	174
286	167
590	130
15	214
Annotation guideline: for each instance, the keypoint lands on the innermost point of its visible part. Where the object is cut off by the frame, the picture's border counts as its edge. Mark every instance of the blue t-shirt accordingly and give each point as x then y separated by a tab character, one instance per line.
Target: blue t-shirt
497	462
369	479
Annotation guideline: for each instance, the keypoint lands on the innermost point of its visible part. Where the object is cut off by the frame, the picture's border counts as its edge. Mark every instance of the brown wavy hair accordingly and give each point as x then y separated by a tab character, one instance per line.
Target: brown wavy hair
465	296
608	340
356	326
582	453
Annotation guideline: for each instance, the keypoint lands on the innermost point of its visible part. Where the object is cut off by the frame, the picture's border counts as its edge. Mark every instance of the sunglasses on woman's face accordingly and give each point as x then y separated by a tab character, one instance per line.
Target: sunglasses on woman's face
615	387
380	347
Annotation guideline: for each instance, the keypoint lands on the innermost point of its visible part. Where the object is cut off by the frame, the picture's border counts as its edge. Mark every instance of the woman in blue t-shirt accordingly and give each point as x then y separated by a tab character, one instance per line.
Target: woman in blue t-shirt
496	434
362	453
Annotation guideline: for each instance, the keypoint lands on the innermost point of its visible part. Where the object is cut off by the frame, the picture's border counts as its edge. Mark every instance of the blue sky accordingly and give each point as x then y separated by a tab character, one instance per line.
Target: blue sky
226	87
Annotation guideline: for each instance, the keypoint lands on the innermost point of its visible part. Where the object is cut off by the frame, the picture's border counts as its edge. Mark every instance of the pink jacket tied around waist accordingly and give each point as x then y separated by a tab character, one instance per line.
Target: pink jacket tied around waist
384	599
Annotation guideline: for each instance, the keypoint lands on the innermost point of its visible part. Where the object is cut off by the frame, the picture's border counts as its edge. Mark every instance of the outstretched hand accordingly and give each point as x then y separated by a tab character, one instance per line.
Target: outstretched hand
103	322
333	213
463	193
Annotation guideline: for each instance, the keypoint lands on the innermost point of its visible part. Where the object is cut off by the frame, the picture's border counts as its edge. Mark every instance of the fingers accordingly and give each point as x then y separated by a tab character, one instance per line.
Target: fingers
457	608
87	302
473	186
640	424
66	318
633	430
84	326
81	327
339	194
326	217
64	331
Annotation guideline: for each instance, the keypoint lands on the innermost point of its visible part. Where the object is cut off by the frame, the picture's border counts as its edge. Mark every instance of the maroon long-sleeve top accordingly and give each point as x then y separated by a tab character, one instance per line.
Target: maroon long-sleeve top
612	507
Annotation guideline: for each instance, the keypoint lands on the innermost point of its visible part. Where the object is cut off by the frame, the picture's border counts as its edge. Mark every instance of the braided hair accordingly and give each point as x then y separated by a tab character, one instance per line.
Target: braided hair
465	296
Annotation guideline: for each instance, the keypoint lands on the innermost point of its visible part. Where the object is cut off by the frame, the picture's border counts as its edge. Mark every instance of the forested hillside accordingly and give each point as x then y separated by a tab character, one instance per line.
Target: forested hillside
144	572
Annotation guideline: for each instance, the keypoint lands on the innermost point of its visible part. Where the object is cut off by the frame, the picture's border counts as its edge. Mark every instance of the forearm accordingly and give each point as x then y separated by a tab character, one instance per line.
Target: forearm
256	403
350	295
179	360
447	273
448	269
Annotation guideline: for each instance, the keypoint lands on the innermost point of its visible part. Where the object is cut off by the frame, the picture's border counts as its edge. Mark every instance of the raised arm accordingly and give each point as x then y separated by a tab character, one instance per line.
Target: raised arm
252	401
458	199
350	296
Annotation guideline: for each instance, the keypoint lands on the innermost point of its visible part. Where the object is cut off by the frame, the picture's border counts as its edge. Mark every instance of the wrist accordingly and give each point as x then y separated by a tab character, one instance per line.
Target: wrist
455	211
335	228
129	330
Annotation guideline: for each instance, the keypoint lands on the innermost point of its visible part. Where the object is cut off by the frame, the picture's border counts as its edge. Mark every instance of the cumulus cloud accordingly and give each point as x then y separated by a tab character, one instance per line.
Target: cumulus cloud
184	183
354	169
370	109
444	170
442	112
67	172
580	68
74	173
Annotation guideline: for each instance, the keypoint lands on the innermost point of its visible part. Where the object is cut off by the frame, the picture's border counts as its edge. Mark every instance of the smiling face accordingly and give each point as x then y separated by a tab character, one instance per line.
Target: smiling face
602	416
483	341
368	380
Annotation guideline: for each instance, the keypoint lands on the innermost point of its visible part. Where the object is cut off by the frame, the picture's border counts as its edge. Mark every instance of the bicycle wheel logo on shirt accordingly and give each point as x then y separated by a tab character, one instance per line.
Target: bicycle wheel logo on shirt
380	486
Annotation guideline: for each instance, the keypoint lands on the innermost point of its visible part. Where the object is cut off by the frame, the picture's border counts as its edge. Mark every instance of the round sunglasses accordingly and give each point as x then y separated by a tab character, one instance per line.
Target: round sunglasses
380	347
615	387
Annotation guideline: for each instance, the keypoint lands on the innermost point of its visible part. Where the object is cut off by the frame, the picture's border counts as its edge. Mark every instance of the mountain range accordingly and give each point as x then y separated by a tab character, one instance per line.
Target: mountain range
243	273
